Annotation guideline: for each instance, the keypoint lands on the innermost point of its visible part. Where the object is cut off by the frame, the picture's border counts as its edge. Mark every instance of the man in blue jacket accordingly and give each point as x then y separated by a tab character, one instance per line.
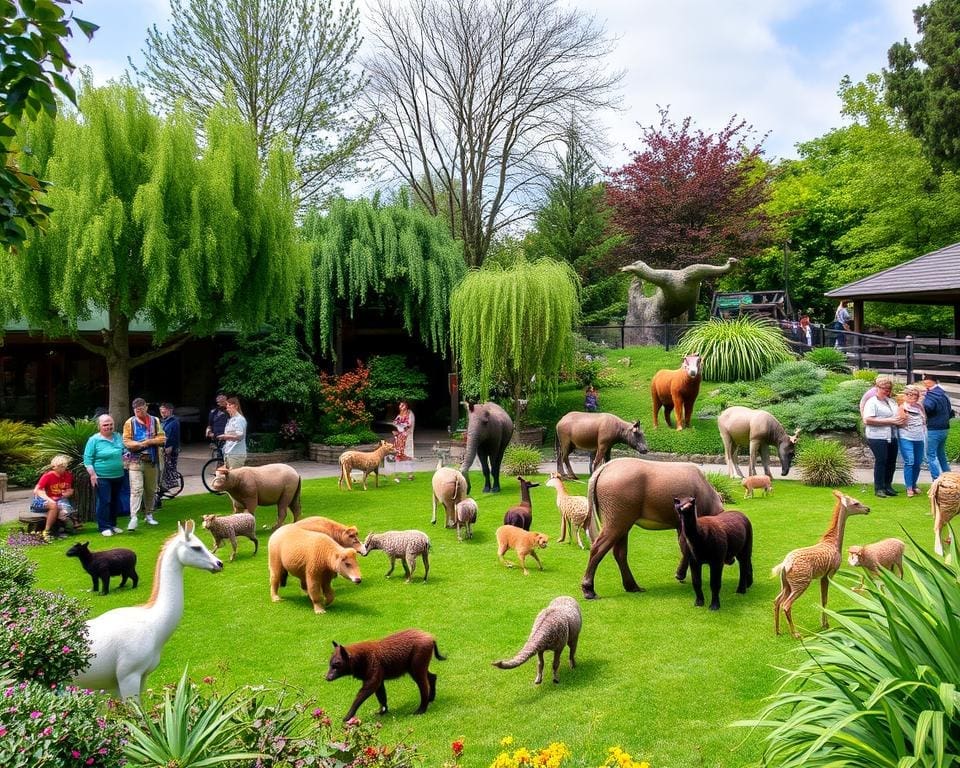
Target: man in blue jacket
171	451
936	403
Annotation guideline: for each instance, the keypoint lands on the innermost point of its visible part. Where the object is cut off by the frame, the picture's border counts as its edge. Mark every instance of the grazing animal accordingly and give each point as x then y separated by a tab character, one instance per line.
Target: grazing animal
556	626
366	462
887	553
313	558
521	515
374	661
574	511
102	565
944	504
489	429
449	489
753	483
624	361
522	542
821	561
713	541
126	643
677	391
344	535
466	516
740	426
628	492
228	527
252	487
406	545
596	432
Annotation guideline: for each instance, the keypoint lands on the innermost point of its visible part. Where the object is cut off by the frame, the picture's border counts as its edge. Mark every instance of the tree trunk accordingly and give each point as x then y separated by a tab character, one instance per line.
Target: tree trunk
117	353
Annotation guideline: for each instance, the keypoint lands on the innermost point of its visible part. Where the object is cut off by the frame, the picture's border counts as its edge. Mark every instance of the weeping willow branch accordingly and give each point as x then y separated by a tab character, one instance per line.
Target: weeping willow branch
515	324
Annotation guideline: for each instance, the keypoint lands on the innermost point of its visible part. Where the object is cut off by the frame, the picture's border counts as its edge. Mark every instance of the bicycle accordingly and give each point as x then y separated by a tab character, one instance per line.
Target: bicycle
209	471
172	491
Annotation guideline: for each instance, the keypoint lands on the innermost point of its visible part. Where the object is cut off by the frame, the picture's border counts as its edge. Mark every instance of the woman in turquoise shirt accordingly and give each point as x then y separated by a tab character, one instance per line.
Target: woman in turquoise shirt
103	459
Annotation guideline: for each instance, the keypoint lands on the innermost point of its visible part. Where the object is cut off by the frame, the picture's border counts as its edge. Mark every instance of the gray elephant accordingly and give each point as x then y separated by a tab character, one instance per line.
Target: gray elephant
488	432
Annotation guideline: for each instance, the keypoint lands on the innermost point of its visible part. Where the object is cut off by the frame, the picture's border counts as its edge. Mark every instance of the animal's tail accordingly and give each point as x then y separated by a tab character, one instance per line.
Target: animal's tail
528	650
436	652
593	505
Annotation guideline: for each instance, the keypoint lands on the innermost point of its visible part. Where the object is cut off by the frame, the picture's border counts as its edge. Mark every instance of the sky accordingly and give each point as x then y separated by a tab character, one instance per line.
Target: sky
775	63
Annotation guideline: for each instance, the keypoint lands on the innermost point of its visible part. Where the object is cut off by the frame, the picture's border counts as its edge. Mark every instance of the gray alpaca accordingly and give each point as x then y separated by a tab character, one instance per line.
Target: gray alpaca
556	626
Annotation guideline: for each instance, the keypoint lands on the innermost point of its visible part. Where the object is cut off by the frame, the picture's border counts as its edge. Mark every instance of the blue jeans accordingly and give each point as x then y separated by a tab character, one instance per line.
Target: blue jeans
113	499
912	452
884	463
937	452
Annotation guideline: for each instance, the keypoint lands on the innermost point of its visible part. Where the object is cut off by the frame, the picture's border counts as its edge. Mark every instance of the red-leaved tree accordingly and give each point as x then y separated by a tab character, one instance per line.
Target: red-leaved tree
690	197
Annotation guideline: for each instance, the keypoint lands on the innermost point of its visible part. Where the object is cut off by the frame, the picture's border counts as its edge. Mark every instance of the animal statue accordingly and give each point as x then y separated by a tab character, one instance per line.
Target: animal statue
521	515
715	540
752	483
887	553
406	546
557	626
522	542
102	565
821	561
627	492
742	426
228	527
374	661
366	462
313	558
677	391
449	489
252	487
126	643
466	514
344	535
944	504
597	432
574	511
489	429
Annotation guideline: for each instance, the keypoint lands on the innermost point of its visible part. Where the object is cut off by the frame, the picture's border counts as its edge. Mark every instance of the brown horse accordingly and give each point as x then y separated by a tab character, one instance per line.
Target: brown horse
677	390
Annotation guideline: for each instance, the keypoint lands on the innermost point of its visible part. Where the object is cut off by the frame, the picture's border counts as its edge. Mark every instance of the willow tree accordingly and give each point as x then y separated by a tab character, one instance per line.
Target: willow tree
148	225
515	324
361	251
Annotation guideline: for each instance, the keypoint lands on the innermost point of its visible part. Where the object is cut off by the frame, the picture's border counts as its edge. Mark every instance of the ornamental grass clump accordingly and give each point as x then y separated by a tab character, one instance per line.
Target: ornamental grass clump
824	412
795	379
521	460
724	485
824	463
732	350
16	443
829	358
880	687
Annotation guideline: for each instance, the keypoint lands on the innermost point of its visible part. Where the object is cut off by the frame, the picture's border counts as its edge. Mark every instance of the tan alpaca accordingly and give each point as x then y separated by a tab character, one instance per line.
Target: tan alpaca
754	483
449	489
574	511
881	554
522	542
365	461
344	535
944	504
821	561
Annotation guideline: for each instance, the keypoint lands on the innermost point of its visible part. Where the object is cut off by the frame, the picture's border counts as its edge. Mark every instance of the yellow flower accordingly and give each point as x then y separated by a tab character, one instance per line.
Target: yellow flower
506	741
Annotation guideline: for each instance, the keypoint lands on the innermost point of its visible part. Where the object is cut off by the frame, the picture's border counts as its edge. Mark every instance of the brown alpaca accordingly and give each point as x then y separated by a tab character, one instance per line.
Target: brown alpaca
313	558
523	542
373	661
756	483
677	391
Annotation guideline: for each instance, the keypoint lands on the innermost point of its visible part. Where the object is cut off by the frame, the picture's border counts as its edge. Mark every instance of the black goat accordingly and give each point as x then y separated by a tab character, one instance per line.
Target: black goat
102	565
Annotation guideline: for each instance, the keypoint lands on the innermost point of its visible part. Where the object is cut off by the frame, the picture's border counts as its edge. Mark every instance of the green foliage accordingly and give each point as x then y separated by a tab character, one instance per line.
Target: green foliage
269	368
753	394
392	379
263	442
521	460
741	349
57	726
824	462
795	379
822	412
342	401
829	358
16	443
879	688
45	634
865	374
362	436
724	485
16	570
69	437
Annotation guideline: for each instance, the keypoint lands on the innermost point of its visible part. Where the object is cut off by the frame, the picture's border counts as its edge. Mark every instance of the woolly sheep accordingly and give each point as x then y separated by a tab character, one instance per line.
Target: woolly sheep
871	557
406	545
228	527
465	513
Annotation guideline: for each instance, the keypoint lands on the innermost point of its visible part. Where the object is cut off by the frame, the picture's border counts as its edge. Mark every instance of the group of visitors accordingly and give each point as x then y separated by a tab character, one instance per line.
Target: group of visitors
913	428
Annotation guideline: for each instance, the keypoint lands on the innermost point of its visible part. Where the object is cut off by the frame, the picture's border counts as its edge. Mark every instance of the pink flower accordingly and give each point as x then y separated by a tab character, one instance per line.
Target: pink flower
3	731
34	715
66	649
74	754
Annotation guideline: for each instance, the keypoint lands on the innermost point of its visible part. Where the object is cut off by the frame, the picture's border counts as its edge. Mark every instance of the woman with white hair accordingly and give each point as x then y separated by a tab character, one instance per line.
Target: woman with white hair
912	435
103	458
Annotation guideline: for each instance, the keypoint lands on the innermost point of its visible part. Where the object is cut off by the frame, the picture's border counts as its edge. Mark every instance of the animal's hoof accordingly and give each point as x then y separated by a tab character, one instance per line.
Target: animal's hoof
715	607
590	595
698	603
634	588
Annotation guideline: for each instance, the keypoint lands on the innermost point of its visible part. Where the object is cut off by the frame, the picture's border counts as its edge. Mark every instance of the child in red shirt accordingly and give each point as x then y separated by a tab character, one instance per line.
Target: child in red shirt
52	493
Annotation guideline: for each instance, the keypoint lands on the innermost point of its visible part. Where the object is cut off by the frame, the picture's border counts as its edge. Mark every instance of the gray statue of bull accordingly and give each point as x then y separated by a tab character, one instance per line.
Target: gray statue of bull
742	426
597	432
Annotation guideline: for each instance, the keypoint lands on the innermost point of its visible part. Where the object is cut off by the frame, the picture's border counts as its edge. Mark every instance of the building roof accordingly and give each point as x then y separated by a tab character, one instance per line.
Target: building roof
933	278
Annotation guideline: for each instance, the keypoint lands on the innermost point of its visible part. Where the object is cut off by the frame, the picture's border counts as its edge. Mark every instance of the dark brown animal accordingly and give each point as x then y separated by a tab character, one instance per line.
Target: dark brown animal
628	492
677	391
597	432
521	515
252	487
375	661
714	541
102	565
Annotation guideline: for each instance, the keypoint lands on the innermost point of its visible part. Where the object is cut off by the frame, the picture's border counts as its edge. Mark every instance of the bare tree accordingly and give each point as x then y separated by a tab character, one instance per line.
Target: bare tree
470	95
289	64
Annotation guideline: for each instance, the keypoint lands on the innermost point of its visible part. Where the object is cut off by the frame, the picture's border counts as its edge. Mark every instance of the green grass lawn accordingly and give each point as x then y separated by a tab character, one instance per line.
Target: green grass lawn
656	676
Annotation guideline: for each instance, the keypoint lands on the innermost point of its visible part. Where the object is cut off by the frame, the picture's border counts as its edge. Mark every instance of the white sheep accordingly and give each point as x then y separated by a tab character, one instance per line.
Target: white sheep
407	545
466	515
574	511
365	461
871	557
229	527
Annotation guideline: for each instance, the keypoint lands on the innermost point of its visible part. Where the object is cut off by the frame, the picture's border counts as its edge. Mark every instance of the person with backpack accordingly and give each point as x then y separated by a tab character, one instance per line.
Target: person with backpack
937	405
143	439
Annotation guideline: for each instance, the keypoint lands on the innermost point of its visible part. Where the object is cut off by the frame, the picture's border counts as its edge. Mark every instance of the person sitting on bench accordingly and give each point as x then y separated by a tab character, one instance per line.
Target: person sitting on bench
51	495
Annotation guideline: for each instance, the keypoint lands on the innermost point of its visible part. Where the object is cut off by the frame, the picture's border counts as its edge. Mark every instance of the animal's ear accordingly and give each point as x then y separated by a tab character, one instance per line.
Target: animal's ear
637	425
796	435
838	494
335	644
676	501
188	528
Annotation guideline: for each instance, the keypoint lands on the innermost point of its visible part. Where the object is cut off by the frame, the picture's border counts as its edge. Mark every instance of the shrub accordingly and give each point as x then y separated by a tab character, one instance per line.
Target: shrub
358	437
820	413
865	374
342	399
263	442
724	485
880	687
829	358
824	463
44	635
588	371
392	379
269	368
753	394
16	443
58	726
796	379
521	460
23	475
16	570
740	349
